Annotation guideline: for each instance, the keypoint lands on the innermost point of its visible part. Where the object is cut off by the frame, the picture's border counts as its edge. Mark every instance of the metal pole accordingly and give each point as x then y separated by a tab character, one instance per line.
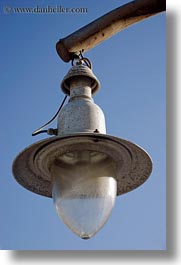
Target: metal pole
106	26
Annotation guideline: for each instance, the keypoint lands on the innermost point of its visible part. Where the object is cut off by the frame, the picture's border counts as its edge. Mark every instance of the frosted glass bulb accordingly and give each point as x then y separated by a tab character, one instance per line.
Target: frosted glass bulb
84	190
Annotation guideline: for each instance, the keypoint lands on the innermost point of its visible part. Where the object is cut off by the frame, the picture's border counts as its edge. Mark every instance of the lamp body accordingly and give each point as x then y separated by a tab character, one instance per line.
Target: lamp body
84	187
82	168
81	114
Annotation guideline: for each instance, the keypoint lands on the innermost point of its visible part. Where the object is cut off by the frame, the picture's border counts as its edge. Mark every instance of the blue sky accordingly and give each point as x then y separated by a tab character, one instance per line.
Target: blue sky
131	69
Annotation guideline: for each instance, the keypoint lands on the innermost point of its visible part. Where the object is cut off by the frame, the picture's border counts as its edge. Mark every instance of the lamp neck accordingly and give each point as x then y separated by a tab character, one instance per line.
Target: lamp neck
81	114
80	88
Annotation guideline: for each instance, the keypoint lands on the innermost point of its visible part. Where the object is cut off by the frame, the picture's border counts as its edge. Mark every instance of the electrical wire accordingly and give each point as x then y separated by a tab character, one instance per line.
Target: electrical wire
40	130
81	60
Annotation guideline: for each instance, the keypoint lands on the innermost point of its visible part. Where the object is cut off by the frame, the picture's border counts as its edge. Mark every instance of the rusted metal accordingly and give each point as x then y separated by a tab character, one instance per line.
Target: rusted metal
78	71
106	26
31	167
81	114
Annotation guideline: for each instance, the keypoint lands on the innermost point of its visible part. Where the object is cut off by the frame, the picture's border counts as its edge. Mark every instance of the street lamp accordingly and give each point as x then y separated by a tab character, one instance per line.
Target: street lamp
82	167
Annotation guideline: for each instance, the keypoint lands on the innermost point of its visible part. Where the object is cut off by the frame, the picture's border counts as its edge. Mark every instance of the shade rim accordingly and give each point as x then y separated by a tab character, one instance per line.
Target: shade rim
31	168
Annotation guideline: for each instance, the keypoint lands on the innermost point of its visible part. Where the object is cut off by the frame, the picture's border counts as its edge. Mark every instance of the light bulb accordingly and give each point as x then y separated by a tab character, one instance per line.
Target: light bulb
84	190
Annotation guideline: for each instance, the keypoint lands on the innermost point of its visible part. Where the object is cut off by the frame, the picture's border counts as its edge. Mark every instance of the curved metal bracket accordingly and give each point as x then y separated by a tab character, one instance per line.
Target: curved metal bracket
106	26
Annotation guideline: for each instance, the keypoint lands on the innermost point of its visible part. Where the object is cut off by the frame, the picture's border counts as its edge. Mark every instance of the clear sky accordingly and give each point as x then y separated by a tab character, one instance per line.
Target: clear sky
131	69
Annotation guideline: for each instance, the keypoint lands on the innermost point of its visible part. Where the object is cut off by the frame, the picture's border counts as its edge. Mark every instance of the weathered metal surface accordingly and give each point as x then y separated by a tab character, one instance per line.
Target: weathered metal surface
81	114
32	166
106	26
79	70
